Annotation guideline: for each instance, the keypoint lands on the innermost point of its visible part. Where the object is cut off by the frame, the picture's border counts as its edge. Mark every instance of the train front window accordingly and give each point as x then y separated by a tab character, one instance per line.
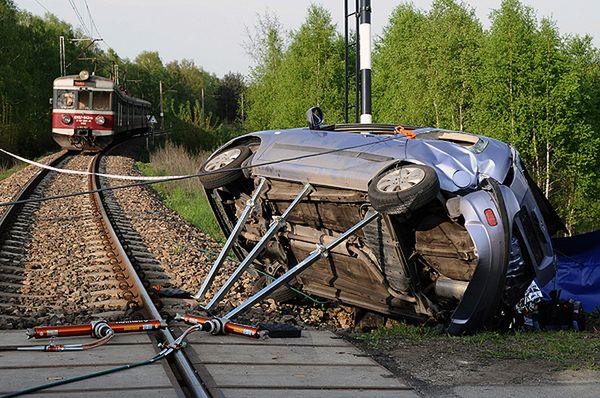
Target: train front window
65	99
102	100
84	100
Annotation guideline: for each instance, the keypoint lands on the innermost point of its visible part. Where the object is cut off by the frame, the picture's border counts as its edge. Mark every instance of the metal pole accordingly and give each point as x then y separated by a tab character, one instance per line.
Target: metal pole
242	95
357	65
365	60
345	61
162	113
276	225
230	241
321	251
61	52
203	117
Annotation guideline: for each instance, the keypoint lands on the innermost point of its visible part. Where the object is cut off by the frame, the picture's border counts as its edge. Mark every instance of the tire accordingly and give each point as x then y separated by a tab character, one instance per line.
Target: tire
403	189
229	158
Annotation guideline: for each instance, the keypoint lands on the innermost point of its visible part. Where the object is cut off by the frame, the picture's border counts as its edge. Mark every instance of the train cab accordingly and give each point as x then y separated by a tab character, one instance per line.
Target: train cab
89	112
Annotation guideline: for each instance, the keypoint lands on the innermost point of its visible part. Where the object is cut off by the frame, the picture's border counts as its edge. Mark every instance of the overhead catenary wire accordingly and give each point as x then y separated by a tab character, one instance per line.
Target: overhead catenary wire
79	17
89	15
93	25
43	6
184	177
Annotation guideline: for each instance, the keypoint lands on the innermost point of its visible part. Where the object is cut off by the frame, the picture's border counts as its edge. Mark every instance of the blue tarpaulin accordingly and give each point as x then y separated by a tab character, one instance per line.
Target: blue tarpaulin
578	273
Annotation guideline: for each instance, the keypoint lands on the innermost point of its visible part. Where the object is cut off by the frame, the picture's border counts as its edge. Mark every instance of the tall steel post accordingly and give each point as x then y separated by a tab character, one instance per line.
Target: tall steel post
346	61
162	113
365	60
61	53
357	62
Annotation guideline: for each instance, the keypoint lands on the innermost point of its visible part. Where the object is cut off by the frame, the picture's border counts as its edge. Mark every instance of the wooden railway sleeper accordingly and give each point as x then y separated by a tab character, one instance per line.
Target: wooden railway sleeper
14	249
108	253
149	269
11	255
157	275
135	239
19	234
106	262
138	254
113	304
138	247
11	269
9	287
13	243
114	293
148	262
98	248
12	277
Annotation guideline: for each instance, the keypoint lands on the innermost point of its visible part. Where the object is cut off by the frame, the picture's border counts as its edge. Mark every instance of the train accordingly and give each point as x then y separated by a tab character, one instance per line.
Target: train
89	112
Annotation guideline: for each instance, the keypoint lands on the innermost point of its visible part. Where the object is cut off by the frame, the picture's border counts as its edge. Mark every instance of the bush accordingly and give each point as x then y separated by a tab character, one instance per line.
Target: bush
186	197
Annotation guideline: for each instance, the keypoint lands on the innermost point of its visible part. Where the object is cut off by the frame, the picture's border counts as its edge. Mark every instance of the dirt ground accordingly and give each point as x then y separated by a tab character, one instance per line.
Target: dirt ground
432	364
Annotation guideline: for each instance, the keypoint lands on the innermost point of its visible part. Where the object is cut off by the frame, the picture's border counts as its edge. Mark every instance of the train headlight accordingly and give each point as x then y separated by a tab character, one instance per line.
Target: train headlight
66	119
100	120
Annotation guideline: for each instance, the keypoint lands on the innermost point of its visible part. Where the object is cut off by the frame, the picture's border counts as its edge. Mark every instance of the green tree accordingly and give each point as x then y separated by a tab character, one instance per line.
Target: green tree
450	59
287	81
266	48
398	78
312	71
229	96
503	93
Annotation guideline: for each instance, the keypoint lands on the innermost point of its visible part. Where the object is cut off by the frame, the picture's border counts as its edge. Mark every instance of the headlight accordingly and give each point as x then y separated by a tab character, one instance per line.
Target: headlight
66	119
100	120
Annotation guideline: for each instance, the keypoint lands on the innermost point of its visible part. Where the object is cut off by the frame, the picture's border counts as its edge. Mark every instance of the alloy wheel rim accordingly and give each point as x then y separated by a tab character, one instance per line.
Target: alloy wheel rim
401	179
223	159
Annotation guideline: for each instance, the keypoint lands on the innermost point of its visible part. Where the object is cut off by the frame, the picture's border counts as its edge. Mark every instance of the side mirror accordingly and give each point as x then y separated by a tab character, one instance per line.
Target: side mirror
314	117
50	101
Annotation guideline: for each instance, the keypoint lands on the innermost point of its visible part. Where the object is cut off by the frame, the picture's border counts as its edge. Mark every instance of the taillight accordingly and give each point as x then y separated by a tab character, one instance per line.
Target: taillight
490	217
100	120
66	119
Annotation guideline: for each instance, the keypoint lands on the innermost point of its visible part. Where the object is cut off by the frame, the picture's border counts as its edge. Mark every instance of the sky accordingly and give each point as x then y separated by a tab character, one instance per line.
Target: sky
213	33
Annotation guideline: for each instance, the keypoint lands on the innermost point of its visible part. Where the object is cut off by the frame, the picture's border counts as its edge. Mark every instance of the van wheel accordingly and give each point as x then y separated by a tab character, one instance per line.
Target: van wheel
223	168
403	189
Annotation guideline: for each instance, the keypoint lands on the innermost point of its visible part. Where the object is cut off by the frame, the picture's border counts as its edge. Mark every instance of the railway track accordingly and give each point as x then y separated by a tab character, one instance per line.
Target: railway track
71	260
74	259
57	263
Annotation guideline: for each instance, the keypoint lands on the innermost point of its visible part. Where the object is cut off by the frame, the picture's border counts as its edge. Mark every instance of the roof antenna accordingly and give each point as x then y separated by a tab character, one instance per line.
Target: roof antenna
364	35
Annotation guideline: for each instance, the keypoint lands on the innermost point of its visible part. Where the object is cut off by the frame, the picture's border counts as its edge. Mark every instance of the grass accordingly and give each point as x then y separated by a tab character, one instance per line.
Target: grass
185	197
5	173
567	349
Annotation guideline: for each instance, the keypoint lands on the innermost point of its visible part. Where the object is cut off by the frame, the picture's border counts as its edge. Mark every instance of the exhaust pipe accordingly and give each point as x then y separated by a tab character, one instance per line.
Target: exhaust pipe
450	288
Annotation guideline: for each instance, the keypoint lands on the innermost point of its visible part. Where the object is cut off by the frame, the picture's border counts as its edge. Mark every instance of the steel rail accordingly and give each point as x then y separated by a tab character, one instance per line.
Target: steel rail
27	189
187	371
